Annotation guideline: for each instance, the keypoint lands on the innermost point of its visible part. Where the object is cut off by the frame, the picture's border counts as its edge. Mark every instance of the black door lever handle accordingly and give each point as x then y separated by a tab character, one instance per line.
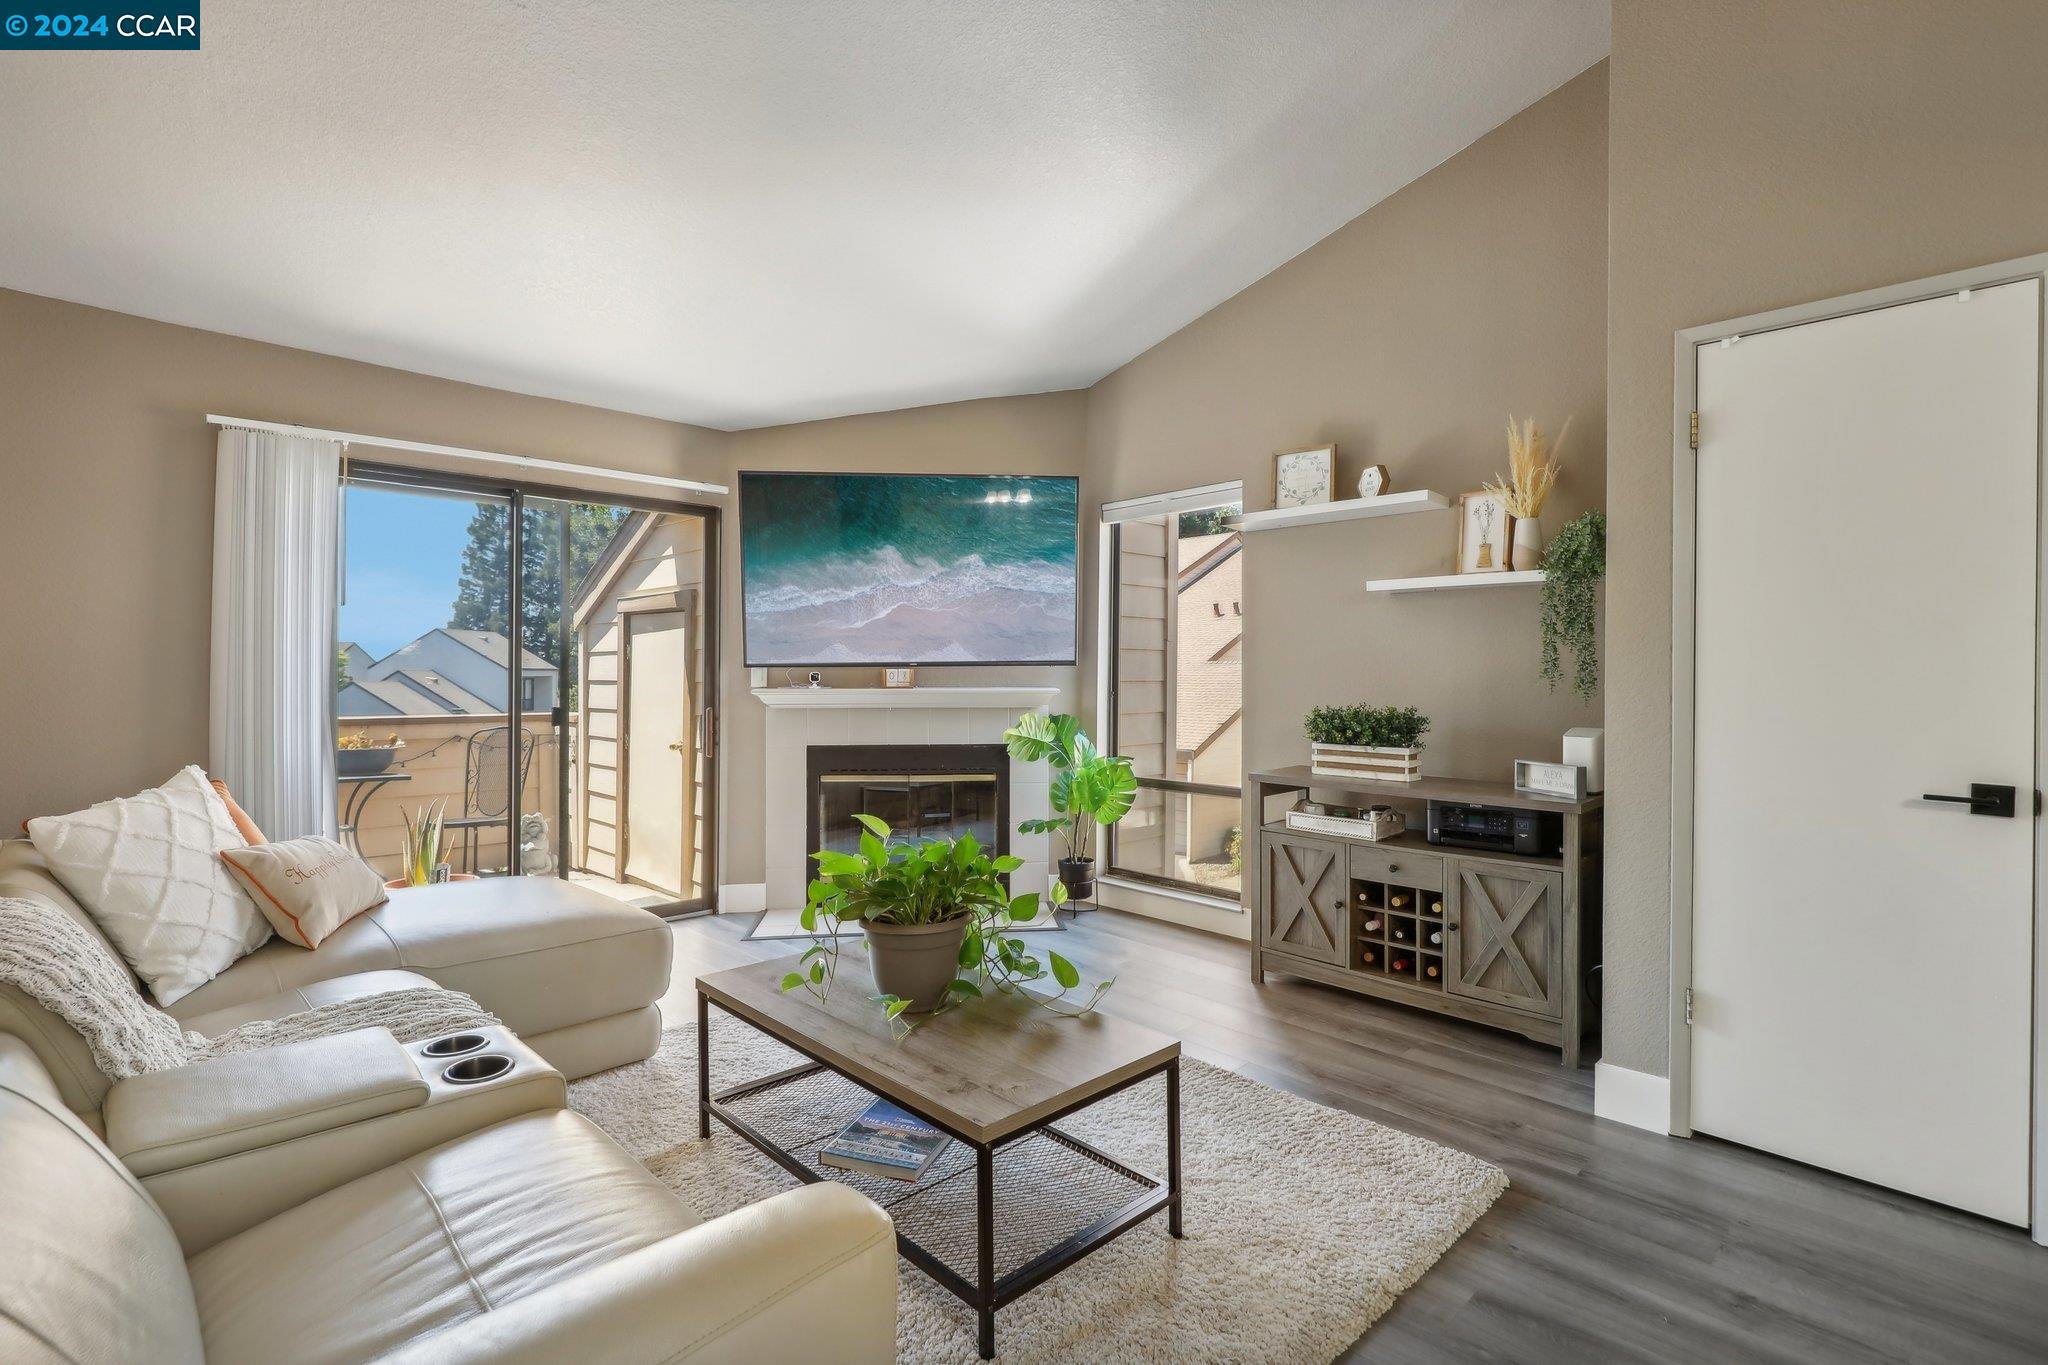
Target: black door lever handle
1985	798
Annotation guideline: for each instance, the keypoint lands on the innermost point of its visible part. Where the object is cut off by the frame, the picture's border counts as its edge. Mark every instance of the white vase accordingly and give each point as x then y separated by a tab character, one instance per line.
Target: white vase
1527	552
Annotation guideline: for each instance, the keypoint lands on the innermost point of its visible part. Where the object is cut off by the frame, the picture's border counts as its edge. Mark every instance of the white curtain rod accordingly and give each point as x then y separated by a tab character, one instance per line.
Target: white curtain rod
460	452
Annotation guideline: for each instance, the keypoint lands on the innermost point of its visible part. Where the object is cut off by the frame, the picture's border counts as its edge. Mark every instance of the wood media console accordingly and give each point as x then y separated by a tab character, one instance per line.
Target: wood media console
1501	939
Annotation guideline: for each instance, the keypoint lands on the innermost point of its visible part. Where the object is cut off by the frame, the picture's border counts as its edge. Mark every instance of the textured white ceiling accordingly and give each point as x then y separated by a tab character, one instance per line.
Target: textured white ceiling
743	213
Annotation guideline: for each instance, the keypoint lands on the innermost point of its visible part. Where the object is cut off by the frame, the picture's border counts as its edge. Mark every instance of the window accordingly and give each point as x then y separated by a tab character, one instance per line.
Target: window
1175	698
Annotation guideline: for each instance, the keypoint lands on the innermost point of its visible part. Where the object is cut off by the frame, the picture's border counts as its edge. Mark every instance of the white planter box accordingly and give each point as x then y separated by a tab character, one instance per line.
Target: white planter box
1367	761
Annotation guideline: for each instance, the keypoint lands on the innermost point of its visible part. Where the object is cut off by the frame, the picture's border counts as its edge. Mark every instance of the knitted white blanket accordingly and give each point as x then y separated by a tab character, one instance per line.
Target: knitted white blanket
51	957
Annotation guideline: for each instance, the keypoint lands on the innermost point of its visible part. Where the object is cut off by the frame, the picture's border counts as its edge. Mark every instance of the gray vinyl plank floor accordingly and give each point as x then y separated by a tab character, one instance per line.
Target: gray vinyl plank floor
1611	1244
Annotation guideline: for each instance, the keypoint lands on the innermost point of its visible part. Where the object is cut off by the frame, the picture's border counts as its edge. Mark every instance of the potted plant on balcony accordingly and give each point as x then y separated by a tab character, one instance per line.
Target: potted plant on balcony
933	914
358	755
1379	743
1089	788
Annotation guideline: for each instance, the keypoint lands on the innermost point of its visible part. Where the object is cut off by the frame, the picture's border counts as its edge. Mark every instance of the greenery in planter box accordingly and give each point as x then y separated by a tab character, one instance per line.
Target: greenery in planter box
1089	788
932	881
1572	570
1381	727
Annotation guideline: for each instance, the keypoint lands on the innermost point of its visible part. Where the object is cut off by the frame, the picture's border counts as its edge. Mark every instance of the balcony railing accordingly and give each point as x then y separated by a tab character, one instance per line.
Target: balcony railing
432	766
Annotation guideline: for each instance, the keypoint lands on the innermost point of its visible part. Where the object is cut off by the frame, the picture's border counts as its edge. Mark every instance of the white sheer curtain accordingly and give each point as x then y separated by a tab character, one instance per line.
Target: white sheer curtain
276	500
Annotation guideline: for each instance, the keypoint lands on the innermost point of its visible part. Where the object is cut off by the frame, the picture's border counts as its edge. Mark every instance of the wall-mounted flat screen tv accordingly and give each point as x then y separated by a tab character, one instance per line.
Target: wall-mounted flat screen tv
891	569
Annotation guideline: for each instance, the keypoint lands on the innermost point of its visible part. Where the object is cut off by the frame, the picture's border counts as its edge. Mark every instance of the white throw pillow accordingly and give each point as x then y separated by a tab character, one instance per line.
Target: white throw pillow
147	868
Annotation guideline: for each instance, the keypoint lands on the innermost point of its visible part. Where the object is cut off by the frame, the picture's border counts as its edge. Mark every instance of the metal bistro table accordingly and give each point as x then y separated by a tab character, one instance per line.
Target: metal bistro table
361	787
996	1075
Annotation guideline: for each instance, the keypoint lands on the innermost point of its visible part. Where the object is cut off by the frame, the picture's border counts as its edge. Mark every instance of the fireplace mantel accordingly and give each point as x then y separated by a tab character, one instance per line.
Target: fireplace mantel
894	698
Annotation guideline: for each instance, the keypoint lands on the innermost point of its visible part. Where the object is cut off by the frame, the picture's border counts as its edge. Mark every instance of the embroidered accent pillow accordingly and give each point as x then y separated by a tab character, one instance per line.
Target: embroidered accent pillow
306	888
147	869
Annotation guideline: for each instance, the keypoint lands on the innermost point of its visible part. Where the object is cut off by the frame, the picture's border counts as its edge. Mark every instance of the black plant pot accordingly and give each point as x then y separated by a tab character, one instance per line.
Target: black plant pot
1078	876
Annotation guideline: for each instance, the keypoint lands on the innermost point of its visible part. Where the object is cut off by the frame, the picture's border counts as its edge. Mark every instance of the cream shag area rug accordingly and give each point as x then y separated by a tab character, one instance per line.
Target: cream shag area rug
1302	1222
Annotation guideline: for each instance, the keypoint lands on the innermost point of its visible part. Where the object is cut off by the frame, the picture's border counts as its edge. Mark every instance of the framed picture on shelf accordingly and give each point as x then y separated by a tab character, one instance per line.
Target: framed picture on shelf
1484	531
1302	478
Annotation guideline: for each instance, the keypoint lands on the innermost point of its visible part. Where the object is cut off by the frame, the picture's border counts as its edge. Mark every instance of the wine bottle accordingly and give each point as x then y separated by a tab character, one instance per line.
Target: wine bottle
1400	932
1436	907
1397	900
1367	957
1372	924
1436	937
1430	970
1399	964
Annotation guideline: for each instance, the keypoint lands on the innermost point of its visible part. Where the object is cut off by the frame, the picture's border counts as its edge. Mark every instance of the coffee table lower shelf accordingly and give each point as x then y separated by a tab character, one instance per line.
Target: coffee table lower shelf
1049	1179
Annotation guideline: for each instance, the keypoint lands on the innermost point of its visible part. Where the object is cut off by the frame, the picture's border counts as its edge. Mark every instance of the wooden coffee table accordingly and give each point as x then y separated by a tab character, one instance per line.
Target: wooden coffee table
996	1074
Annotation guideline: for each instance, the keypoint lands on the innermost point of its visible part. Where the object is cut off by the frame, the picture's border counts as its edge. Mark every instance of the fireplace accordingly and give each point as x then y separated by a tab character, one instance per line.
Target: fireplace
921	791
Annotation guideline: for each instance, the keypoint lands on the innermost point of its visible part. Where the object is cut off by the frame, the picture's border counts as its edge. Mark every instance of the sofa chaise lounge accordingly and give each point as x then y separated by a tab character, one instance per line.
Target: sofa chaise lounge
575	974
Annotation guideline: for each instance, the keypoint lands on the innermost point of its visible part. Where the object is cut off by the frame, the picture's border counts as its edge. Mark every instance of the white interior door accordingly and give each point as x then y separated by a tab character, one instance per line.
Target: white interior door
659	754
1867	535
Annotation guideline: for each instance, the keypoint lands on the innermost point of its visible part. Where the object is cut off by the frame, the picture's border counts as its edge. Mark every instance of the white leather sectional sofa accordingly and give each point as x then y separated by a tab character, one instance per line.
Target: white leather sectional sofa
575	974
351	1198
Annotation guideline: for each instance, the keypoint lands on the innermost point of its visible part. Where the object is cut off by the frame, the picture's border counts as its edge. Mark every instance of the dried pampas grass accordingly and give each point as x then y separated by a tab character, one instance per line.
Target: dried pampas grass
1532	468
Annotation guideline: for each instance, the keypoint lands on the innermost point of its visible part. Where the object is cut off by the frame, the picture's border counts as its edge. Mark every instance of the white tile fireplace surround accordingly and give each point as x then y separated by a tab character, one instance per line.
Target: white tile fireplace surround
799	717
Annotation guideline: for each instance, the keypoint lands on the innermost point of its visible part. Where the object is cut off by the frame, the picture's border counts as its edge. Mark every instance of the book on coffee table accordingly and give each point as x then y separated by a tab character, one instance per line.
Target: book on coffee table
886	1141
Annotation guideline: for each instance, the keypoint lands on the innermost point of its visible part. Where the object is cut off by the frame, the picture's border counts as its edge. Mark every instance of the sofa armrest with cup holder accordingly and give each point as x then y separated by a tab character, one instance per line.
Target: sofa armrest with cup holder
222	1145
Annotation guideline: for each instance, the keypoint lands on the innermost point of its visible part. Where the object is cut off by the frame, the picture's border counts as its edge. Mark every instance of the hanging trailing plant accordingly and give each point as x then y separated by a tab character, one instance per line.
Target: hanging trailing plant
1571	609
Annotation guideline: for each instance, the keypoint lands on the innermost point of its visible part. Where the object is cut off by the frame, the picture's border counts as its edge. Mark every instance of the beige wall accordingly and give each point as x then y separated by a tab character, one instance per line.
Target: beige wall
106	519
1037	434
1766	154
1406	337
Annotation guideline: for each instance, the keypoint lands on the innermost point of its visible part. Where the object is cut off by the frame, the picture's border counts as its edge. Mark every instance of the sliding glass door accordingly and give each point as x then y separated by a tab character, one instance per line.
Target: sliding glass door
1174	638
537	667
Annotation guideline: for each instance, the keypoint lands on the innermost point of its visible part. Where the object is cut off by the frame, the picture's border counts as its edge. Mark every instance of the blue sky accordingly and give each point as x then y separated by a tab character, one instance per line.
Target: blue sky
404	555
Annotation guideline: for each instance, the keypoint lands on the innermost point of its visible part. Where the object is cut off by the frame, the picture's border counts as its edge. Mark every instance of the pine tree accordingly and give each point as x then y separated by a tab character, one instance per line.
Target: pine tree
481	591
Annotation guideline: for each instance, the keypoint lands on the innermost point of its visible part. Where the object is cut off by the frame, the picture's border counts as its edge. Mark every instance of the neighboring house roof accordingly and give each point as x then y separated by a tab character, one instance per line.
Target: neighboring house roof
449	696
496	648
597	583
355	660
386	697
1209	685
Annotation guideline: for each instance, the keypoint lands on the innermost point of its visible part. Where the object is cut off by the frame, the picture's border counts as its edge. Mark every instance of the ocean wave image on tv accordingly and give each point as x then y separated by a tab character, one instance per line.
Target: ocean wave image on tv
907	569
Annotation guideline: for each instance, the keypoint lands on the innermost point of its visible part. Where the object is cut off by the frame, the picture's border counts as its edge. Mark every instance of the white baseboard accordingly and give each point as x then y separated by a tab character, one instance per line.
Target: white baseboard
1633	1097
742	898
1175	907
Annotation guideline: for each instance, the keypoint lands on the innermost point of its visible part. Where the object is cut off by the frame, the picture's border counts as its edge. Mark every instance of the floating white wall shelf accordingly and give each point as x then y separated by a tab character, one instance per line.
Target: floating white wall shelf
1351	509
1440	582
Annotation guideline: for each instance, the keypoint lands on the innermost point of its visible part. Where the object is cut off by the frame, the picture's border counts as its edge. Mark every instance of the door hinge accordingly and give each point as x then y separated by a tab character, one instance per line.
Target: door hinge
1695	429
1688	1007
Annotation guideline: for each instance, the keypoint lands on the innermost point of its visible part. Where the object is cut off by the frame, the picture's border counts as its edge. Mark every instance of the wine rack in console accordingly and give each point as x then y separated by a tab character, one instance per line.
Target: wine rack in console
1400	932
1496	938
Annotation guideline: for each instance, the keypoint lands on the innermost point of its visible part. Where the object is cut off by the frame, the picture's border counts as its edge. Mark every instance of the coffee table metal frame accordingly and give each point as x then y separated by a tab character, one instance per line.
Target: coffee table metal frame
988	1291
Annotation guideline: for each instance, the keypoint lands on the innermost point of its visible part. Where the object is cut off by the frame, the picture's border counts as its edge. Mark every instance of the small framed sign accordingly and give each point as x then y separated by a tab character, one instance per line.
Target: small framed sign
899	677
1302	478
1538	778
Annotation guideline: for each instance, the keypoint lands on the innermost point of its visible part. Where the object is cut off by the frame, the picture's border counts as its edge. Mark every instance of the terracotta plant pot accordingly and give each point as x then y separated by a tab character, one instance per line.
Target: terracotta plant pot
916	962
1078	876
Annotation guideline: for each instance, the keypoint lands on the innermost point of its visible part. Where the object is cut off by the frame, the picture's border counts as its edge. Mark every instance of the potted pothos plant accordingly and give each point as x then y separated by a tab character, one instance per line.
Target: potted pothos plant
934	914
1381	743
1089	789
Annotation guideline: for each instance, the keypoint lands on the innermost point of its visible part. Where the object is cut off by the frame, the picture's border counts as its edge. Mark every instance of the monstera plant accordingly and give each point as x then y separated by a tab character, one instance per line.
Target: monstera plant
1089	789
